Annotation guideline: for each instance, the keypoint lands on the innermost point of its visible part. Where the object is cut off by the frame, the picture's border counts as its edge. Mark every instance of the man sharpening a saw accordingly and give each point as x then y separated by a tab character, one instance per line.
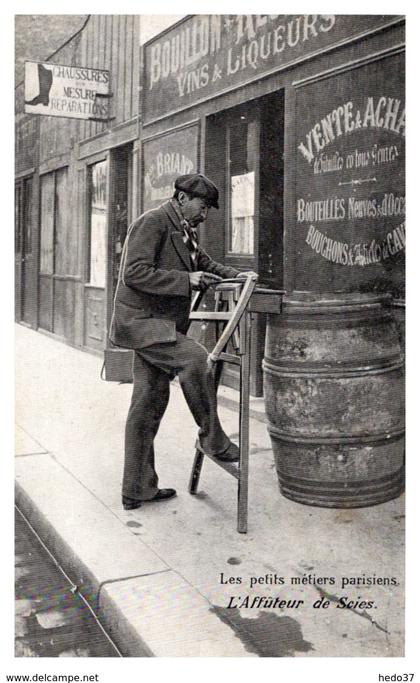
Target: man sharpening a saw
162	264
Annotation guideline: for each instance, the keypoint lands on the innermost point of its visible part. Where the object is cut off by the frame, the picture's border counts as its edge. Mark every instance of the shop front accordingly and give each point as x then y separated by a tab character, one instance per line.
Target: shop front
299	119
300	122
76	182
26	207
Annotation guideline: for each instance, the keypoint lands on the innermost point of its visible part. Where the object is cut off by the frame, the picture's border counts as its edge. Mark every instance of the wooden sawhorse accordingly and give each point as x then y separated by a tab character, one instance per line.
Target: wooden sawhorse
233	310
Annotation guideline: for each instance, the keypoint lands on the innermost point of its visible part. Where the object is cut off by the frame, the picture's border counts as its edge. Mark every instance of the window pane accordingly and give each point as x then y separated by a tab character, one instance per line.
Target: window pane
47	224
98	224
242	142
242	213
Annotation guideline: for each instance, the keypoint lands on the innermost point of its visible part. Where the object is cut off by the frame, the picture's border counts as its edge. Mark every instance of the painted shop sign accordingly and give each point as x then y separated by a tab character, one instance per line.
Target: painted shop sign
350	181
164	158
206	55
66	91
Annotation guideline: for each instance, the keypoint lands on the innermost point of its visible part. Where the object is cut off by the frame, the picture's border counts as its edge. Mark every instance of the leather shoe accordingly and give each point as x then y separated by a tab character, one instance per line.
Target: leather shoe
231	454
130	503
162	494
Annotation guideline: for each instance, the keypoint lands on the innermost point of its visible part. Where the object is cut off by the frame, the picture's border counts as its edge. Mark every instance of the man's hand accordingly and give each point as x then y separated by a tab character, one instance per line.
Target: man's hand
245	274
201	280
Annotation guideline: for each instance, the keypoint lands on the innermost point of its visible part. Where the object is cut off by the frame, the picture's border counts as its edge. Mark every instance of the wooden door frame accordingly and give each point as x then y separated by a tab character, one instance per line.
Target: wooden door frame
19	275
25	257
104	155
111	213
50	276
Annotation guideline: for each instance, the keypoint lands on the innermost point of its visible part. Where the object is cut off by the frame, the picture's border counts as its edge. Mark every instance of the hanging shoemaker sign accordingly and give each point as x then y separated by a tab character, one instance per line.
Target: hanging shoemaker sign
67	91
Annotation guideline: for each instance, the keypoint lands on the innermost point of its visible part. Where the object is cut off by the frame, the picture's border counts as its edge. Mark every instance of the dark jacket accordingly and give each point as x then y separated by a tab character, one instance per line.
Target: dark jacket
153	297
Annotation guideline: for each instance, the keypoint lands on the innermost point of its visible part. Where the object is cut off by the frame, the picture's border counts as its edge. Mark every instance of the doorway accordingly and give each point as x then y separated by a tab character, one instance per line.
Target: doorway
58	263
25	294
96	254
245	153
109	200
118	362
120	207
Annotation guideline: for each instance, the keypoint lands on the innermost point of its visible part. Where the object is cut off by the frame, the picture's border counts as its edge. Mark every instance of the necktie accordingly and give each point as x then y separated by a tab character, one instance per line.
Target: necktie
190	236
191	240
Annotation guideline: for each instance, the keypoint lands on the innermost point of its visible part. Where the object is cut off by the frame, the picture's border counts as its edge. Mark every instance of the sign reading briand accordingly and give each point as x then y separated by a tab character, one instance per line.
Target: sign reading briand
164	158
67	91
205	55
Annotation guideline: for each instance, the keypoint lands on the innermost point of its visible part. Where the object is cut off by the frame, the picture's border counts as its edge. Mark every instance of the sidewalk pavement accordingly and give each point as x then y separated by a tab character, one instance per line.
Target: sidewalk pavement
167	579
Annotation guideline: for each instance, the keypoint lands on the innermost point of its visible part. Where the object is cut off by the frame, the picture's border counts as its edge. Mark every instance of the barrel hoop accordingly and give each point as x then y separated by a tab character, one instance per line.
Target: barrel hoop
342	499
296	369
298	308
355	483
342	503
344	299
343	488
350	364
299	320
335	439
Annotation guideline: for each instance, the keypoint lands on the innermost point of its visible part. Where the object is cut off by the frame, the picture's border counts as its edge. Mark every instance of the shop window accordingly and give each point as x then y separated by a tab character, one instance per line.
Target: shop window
97	236
241	149
244	154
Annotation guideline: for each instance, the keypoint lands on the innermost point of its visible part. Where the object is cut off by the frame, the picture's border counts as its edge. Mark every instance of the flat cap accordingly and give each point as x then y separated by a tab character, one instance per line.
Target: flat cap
198	185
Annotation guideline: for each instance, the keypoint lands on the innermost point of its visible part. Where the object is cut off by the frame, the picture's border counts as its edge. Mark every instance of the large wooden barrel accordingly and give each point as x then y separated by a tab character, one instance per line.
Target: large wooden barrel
398	307
334	394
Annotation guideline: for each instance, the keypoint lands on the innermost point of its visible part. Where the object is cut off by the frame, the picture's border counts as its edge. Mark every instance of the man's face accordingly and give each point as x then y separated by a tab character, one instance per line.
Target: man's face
194	209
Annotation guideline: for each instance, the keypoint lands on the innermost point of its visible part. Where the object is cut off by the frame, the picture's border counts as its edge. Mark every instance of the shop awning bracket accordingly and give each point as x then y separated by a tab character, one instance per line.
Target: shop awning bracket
98	120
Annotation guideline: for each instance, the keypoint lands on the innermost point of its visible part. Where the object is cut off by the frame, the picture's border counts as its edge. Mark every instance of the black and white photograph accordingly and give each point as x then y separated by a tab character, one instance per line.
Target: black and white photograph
209	339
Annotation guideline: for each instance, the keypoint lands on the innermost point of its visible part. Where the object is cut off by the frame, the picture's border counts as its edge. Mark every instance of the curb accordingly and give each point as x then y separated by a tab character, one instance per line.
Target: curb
147	608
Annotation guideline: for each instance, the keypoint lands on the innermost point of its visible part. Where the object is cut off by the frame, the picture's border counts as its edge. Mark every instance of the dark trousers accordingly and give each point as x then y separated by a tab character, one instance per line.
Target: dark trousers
154	367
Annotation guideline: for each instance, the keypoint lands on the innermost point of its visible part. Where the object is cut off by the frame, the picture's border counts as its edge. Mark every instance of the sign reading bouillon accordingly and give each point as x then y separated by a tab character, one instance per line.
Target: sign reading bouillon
67	91
206	55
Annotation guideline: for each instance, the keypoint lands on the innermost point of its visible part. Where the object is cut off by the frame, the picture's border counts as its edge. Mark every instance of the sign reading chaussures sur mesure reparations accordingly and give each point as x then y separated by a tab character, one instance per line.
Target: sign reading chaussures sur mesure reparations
66	91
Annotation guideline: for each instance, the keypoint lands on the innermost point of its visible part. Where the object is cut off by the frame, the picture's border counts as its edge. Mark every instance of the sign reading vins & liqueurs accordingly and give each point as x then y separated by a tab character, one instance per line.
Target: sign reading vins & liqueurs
68	91
164	158
205	55
350	180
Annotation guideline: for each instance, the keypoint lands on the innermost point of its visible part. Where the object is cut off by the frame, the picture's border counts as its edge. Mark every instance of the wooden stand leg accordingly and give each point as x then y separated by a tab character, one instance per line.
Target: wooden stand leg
244	428
199	455
239	316
196	471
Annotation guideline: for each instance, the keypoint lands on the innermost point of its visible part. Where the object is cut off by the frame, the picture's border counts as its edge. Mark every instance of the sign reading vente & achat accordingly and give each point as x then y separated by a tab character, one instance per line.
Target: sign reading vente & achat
68	91
206	55
350	180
